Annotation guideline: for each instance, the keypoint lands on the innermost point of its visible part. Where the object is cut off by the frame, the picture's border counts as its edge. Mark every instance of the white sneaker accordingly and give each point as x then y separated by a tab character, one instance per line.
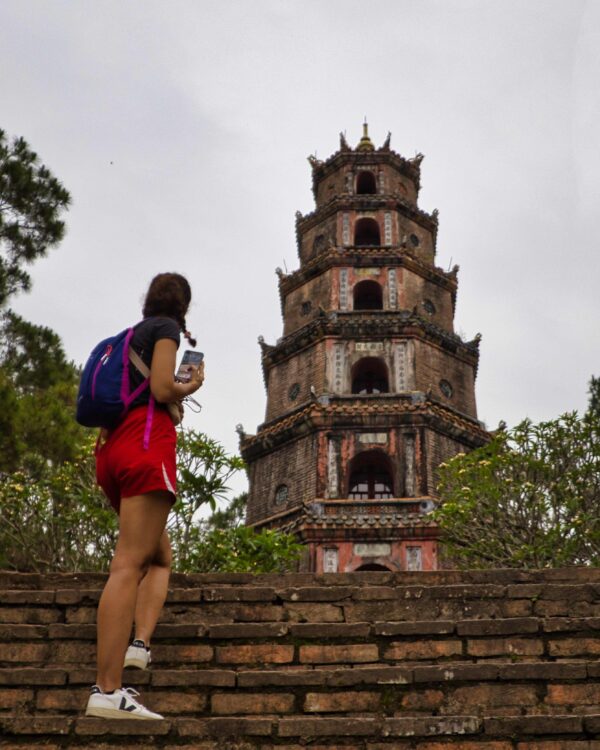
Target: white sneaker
121	704
138	655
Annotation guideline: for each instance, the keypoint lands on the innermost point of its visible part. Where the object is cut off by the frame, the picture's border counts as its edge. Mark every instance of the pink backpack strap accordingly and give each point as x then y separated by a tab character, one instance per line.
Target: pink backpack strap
141	366
149	420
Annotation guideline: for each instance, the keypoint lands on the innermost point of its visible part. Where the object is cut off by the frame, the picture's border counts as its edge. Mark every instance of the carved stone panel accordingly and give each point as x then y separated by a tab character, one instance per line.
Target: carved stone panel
332	468
345	230
414	558
373	438
387	228
392	289
409	464
400	366
344	300
330	560
369	346
339	363
366	272
364	549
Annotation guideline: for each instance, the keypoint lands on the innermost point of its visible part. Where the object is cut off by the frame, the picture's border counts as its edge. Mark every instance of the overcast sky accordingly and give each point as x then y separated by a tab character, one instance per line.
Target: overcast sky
181	130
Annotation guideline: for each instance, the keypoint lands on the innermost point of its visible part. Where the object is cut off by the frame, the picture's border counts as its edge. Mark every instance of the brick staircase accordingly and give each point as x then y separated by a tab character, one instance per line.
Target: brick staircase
495	660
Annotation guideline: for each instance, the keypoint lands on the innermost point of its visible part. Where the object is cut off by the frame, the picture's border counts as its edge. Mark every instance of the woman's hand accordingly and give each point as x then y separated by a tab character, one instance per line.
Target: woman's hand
196	376
162	383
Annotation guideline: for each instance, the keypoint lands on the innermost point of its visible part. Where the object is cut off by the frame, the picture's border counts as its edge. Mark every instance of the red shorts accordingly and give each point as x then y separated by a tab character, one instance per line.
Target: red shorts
125	469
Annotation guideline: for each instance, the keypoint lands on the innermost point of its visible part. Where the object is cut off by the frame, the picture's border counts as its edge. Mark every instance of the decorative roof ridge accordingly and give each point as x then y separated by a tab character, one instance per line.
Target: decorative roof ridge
417	402
301	520
385	520
283	422
338	253
421	403
347	153
330	205
330	323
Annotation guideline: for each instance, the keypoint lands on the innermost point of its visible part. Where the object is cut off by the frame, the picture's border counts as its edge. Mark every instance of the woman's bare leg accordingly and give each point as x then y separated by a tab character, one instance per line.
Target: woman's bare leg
152	591
142	521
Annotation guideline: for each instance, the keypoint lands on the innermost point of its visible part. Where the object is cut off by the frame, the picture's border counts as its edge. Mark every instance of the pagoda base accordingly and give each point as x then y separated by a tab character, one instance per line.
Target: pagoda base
347	535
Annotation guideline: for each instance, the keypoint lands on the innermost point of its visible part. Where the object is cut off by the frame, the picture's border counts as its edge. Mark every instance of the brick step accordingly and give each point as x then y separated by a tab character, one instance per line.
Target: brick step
498	626
391	644
269	611
370	732
509	688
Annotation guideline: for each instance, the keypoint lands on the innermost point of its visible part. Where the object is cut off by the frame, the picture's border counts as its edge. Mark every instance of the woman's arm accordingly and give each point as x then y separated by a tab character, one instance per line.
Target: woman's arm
162	383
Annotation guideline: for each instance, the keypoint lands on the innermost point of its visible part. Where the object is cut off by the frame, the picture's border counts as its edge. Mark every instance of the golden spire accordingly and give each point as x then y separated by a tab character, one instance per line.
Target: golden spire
365	142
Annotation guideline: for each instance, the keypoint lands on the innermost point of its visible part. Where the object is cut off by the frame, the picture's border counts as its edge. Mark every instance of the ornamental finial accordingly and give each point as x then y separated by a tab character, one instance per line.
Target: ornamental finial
365	143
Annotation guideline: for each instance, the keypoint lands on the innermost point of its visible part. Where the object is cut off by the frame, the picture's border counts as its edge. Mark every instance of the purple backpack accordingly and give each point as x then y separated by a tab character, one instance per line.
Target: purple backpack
104	391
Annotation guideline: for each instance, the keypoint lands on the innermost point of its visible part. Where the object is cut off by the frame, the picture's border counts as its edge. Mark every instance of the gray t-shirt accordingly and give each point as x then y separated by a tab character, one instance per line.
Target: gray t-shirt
146	334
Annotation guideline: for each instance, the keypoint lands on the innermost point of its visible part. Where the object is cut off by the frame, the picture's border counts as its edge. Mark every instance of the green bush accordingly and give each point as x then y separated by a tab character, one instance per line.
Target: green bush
528	499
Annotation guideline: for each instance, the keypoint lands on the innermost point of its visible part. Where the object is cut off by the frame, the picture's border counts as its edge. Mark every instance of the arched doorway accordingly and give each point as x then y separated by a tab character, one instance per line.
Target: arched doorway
370	375
372	566
366	184
368	295
370	477
366	233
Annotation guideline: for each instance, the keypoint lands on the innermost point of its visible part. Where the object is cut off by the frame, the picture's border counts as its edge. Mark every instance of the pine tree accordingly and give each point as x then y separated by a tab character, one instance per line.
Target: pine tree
31	202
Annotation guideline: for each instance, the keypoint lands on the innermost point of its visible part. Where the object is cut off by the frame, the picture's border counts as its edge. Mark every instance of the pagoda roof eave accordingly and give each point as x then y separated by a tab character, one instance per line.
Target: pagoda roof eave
384	411
393	255
379	324
367	202
343	518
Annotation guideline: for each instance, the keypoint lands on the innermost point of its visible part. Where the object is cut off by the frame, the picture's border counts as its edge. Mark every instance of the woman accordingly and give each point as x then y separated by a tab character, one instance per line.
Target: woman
136	468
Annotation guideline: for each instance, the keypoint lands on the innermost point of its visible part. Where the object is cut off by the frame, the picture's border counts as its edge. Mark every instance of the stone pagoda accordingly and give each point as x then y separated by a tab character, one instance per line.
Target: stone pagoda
369	389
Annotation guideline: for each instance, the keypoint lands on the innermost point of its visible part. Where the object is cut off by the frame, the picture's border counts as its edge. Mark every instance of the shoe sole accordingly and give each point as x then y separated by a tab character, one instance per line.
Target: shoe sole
133	662
114	713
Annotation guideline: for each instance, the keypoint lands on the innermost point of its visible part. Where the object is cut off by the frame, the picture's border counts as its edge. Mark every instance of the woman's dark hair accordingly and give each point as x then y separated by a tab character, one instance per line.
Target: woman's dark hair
169	294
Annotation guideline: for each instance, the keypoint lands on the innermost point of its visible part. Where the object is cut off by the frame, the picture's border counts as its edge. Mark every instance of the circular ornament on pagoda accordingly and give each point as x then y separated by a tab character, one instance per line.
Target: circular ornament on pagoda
281	494
446	388
414	240
294	391
429	307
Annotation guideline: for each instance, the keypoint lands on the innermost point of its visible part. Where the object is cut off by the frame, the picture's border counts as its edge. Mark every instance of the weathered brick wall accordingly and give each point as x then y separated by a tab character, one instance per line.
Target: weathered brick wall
318	237
306	368
498	660
302	304
414	290
433	364
293	465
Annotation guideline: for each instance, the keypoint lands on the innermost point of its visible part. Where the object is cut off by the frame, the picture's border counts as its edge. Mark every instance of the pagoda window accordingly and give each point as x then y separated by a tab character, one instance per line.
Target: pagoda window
370	375
366	233
368	295
370	477
366	184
